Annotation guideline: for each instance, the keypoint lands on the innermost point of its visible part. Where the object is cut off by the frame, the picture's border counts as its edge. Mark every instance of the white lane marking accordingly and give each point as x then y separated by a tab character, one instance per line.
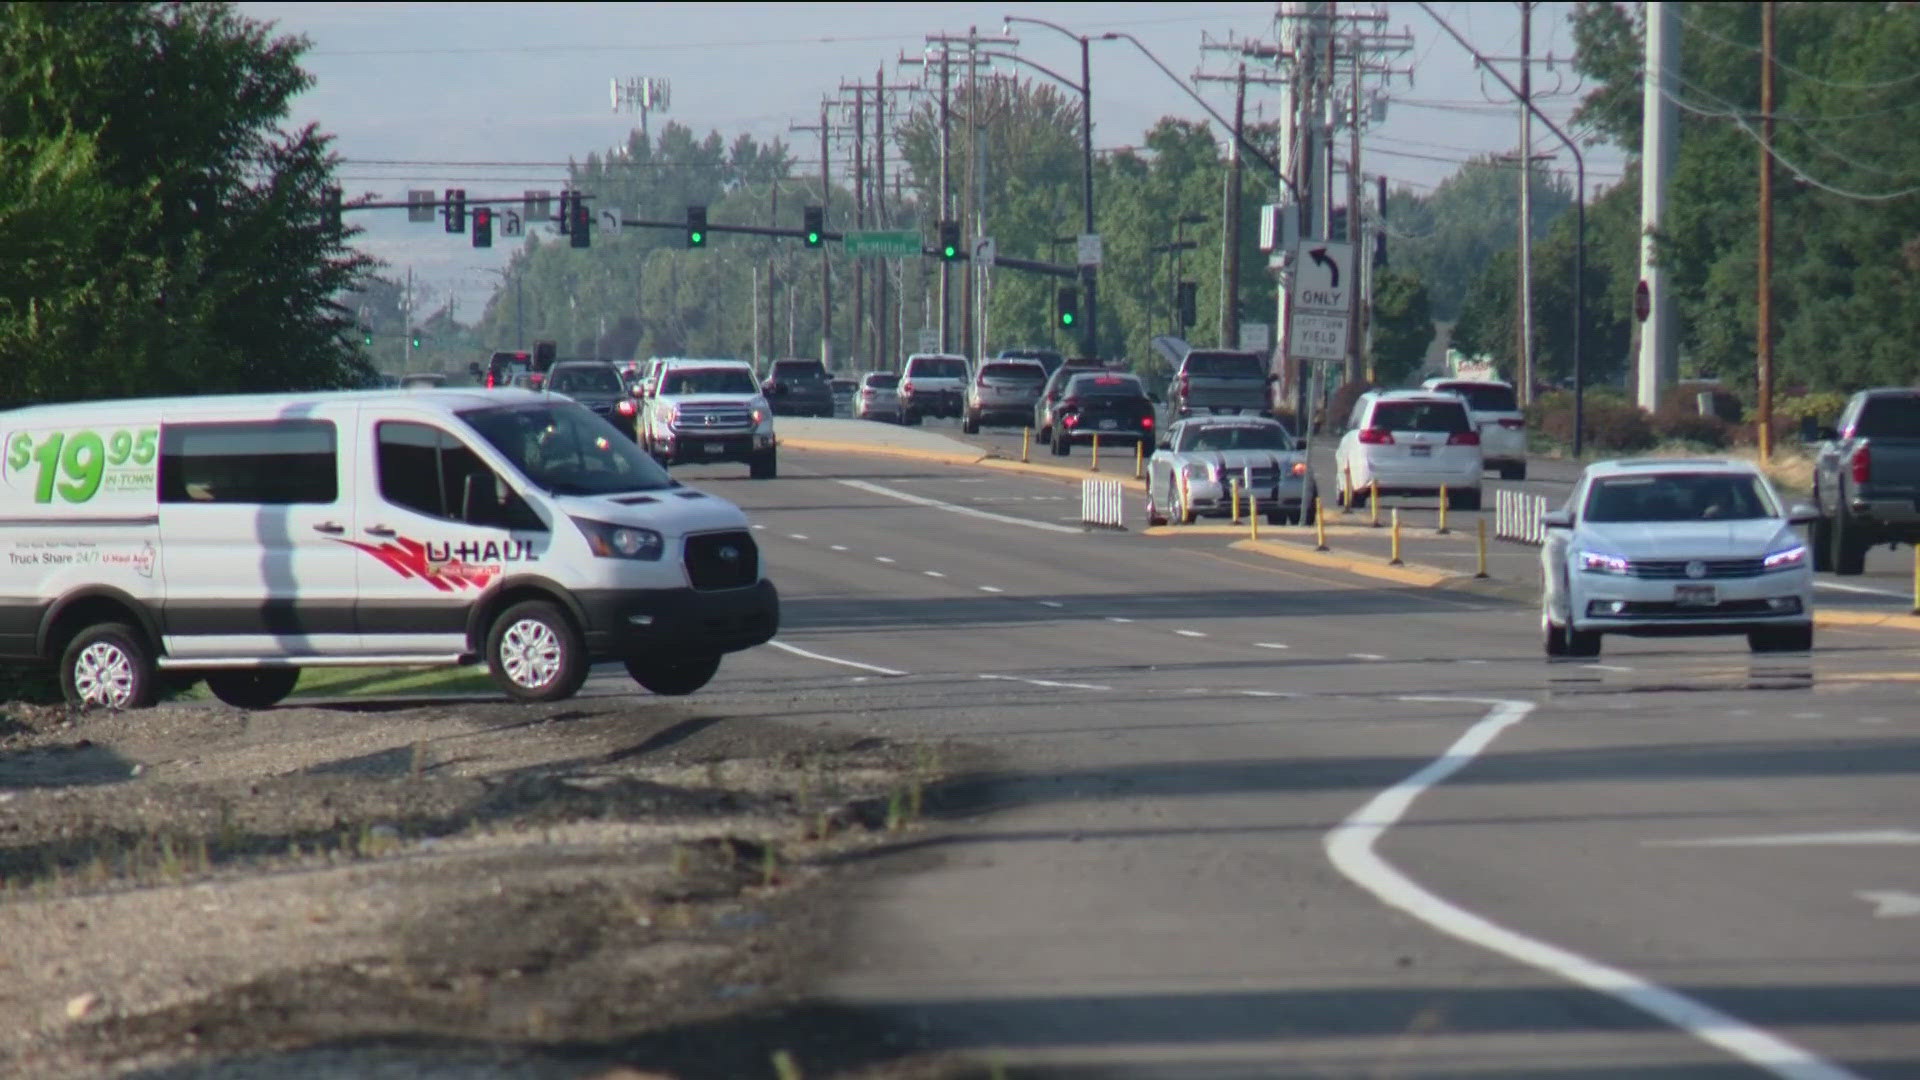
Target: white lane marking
1365	656
1118	619
825	659
760	527
1047	683
1350	845
933	573
1052	604
881	558
991	588
1473	661
1864	590
1864	838
952	508
1265	693
1606	667
1889	904
1189	633
1268	645
839	547
796	536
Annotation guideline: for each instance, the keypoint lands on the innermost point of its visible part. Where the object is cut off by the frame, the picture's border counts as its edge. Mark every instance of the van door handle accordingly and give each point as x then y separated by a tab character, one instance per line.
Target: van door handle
380	530
330	528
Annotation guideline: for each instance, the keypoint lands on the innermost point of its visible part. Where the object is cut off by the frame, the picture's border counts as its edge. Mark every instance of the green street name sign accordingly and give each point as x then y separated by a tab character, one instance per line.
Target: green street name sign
881	243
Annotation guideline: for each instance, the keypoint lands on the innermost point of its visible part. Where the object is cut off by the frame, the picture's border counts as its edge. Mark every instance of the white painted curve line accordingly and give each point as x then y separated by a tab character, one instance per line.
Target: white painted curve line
933	573
991	588
1189	633
1268	645
825	659
1863	590
1350	846
1047	683
952	508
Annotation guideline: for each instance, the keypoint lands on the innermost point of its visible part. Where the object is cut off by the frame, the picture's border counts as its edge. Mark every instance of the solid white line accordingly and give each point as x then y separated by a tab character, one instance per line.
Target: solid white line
920	500
1268	645
1606	667
825	659
1864	590
761	527
1868	838
933	573
1350	845
1118	619
1189	633
1365	656
1047	683
1052	603
991	588
1266	693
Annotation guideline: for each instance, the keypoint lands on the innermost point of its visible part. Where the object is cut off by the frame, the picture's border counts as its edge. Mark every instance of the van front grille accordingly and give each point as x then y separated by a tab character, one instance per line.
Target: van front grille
723	560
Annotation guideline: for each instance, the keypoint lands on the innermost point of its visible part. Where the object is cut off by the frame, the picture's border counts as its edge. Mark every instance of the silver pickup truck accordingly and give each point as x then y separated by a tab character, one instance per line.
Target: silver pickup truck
1220	381
1866	479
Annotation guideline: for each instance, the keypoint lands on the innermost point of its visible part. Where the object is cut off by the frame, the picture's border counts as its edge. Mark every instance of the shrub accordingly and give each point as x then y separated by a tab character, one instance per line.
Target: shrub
1677	421
1612	424
1824	406
1343	399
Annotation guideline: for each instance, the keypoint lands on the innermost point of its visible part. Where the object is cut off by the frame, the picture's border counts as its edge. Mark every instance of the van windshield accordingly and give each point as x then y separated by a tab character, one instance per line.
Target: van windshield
565	449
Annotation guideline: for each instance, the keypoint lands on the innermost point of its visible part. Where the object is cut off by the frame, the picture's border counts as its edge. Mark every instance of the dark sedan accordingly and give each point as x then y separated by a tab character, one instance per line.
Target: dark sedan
799	388
599	387
1112	406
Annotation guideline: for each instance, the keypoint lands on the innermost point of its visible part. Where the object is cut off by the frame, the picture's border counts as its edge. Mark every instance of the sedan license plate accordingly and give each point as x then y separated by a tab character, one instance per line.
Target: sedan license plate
1421	451
1693	596
716	448
1109	425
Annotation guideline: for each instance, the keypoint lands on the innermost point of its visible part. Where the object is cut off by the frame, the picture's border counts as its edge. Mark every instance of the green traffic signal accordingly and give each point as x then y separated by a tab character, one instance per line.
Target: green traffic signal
1066	318
696	238
366	338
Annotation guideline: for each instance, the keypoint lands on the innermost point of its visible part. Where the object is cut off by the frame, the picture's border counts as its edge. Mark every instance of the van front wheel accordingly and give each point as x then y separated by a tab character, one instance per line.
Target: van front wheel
673	677
534	653
107	666
252	688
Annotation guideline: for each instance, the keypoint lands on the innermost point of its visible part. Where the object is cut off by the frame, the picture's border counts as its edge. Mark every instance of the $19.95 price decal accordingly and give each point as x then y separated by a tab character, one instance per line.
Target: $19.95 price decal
77	465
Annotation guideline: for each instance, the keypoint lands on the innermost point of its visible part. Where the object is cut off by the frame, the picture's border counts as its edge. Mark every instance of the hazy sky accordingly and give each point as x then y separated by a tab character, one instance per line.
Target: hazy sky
497	98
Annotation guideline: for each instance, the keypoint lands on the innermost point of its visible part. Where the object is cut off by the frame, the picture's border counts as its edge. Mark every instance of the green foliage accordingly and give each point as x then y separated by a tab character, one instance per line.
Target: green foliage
1402	326
164	231
1611	423
1679	420
1447	238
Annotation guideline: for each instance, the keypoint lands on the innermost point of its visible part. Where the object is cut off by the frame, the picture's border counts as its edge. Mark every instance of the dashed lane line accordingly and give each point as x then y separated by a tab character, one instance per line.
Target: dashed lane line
991	588
1268	645
1189	633
1049	683
933	573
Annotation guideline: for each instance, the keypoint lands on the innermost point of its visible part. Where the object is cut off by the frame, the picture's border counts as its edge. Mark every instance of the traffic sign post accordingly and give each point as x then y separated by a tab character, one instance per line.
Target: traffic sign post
882	244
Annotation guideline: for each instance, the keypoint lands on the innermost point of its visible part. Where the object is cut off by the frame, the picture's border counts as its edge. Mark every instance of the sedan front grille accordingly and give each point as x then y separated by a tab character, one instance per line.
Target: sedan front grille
722	560
1676	569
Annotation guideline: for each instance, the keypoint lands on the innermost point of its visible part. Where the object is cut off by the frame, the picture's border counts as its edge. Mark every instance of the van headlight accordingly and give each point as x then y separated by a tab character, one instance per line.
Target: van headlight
1785	559
1599	562
610	541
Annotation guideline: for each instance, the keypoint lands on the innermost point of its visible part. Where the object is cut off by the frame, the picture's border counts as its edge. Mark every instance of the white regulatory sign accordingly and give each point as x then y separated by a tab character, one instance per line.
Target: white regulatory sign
1323	277
983	251
1317	336
608	221
1088	249
511	224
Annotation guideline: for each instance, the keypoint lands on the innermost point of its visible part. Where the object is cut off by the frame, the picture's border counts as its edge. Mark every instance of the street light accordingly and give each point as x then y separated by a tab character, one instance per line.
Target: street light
519	306
1088	293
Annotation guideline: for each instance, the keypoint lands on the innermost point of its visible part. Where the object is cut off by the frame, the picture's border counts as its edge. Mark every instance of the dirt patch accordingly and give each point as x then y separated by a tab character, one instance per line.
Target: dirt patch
449	888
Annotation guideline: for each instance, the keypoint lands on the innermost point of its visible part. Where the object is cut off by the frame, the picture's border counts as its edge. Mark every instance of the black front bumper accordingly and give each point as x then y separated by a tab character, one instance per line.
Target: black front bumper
689	622
933	402
692	446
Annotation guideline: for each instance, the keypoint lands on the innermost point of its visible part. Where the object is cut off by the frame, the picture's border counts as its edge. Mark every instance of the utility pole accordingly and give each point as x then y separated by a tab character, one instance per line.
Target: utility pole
1230	223
880	354
826	268
1764	344
773	222
1523	350
1659	143
859	336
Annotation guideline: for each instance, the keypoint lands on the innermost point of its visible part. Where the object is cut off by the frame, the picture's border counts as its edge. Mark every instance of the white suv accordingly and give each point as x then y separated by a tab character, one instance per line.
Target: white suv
1496	414
1410	442
933	384
710	410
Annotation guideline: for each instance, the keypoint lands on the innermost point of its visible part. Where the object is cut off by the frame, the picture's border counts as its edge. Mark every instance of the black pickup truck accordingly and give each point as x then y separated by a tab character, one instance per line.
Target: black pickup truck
1866	479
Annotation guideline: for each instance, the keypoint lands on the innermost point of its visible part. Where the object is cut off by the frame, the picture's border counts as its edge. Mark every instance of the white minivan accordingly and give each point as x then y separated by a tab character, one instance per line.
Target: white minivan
239	539
1404	442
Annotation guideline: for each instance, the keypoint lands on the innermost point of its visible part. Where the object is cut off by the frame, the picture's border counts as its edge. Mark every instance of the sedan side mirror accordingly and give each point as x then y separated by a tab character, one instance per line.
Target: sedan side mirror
1299	444
1164	444
1802	514
1557	519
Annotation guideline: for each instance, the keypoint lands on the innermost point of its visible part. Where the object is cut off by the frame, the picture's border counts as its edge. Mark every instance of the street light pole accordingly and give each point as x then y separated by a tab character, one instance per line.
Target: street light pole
1089	276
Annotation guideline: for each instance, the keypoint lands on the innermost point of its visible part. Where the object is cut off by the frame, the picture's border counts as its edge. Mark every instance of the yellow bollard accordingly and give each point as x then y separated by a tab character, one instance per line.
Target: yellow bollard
1253	515
1480	567
1442	530
1095	466
1373	503
1395	561
1346	490
1140	459
1319	526
1233	488
1916	578
1026	444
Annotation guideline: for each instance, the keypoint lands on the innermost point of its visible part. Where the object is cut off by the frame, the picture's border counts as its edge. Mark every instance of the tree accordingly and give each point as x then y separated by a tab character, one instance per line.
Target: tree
170	233
1446	238
1402	327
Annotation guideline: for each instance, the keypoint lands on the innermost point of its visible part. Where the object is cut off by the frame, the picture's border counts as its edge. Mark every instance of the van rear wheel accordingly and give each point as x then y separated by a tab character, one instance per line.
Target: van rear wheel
252	688
107	666
672	677
534	653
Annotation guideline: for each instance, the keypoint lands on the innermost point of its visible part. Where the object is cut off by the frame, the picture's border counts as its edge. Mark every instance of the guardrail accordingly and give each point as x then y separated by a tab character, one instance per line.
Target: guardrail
1103	504
1516	516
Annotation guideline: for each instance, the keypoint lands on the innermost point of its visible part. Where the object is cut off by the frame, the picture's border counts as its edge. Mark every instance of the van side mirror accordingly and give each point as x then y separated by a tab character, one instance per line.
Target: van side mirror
1557	519
473	369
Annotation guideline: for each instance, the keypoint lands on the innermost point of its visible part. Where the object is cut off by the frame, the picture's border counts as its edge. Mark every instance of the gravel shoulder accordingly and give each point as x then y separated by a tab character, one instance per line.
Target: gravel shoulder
603	887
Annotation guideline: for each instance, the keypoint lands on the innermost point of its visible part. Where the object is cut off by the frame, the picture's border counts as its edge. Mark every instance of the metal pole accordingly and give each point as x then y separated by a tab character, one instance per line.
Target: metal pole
1524	330
859	335
880	343
519	311
970	225
1089	275
1230	226
1765	342
826	277
946	194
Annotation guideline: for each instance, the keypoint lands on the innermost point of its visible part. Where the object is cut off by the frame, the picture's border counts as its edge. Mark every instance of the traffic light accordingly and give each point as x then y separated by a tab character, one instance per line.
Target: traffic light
416	337
482	226
566	211
949	241
1066	307
816	225
696	226
456	209
366	336
581	232
1186	301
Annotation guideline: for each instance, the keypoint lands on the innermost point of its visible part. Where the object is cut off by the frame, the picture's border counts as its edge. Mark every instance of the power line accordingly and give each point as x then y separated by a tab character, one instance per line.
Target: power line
1782	65
1773	152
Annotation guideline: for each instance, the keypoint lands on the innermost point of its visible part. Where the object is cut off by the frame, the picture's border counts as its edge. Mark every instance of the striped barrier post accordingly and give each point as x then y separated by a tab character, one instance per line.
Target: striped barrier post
1103	504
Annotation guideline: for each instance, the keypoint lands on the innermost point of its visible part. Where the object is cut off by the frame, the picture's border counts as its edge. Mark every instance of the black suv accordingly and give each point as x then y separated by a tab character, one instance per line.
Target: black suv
598	386
798	388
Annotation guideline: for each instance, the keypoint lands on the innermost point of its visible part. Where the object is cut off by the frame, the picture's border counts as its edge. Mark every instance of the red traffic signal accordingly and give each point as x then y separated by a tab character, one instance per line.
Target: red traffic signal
482	226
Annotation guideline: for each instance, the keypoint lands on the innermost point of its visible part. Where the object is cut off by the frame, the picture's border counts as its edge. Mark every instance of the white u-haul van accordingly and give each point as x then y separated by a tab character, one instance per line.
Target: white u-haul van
240	539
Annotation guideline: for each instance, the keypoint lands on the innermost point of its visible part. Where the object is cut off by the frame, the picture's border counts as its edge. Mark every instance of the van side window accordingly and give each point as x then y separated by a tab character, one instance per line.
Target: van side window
272	462
425	469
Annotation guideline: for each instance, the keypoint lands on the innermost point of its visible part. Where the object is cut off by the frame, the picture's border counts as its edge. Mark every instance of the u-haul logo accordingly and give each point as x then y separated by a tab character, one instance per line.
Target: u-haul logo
447	566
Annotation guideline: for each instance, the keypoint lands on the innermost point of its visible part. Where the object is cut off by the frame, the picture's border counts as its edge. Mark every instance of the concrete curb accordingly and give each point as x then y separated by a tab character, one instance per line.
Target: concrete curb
1857	619
983	460
1425	577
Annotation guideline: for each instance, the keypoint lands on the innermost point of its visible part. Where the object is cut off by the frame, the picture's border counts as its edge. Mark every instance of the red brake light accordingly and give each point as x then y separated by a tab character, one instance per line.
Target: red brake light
1070	403
1374	436
625	408
1464	438
1146	421
1862	465
906	387
1512	423
489	380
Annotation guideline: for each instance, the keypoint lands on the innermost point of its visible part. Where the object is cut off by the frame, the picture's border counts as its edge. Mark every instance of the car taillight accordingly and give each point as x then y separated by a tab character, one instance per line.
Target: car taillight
1374	436
1513	423
906	388
1146	421
1183	384
1464	438
625	408
489	380
1862	465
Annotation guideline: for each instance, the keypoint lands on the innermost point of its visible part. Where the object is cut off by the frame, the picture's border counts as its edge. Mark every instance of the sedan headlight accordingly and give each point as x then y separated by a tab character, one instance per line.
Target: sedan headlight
1198	470
1785	558
1599	562
610	541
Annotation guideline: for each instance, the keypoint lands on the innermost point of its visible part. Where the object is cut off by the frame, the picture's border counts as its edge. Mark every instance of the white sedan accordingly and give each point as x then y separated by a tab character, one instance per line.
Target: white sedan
1655	547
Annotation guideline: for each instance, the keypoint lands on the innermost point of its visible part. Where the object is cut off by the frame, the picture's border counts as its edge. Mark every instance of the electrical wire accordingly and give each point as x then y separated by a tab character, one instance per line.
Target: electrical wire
1886	84
1773	152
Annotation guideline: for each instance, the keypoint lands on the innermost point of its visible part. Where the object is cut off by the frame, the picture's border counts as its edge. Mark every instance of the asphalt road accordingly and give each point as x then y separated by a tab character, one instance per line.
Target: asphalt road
1255	819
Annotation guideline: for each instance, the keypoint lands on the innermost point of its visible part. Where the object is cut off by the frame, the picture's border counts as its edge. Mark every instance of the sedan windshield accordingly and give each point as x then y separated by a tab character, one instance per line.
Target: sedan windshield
1678	497
1236	437
565	449
590	380
709	381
